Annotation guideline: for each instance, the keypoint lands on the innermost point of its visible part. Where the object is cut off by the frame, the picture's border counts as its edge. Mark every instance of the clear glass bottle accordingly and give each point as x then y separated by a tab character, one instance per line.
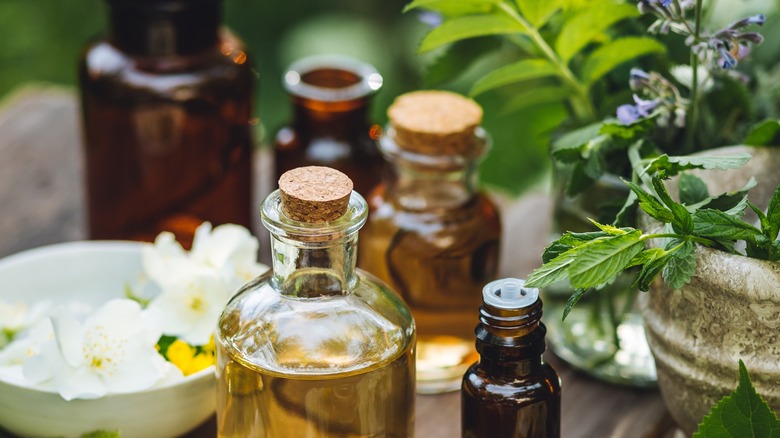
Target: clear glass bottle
331	97
511	391
316	347
431	235
167	111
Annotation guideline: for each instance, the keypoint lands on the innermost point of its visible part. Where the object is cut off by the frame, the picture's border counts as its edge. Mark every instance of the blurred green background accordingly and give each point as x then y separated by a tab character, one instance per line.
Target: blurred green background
42	40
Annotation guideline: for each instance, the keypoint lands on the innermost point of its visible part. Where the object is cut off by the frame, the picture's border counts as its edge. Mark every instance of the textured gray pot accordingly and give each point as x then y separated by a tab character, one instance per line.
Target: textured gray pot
729	311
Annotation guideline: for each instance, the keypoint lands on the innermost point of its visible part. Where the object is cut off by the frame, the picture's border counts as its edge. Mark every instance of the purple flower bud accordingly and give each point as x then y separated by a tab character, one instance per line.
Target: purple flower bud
627	114
754	37
743	50
638	79
727	61
758	19
431	18
644	107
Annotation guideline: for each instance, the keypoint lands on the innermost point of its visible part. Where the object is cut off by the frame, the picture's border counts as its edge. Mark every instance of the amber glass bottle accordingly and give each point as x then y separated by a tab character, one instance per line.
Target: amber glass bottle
431	235
511	391
315	348
330	125
167	107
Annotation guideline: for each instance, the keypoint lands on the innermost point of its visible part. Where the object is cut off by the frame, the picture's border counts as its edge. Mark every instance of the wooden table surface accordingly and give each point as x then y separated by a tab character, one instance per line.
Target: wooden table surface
42	202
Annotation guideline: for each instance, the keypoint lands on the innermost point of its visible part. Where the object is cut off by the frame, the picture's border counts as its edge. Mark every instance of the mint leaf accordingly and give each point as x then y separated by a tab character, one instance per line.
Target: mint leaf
536	96
458	57
163	343
650	205
614	53
773	215
453	8
626	215
552	271
651	268
516	72
764	133
614	128
681	264
716	224
682	222
573	299
538	12
692	189
666	166
583	28
574	140
601	260
730	200
741	414
469	26
568	241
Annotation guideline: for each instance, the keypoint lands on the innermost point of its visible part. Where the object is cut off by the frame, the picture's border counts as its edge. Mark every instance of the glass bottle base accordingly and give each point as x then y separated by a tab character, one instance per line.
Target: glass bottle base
589	341
441	363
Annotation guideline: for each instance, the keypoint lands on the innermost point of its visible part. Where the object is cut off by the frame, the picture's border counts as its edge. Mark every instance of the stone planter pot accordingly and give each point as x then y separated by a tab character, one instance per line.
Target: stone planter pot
729	311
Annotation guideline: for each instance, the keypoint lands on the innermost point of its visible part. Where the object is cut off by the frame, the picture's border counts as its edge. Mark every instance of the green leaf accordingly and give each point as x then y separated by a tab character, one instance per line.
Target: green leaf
773	215
568	241
460	28
163	343
573	140
600	261
572	301
683	222
668	166
615	53
729	200
741	414
517	72
692	189
764	133
538	12
716	224
609	229
763	220
552	271
651	269
646	256
650	205
458	57
628	132
681	265
536	96
584	27
627	214
453	7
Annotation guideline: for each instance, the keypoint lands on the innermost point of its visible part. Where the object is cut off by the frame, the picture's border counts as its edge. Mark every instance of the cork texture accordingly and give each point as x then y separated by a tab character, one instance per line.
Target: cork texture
314	194
435	122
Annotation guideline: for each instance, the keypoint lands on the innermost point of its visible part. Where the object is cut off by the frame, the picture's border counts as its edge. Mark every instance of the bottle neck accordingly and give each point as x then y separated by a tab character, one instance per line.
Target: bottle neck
310	269
165	27
510	342
333	119
417	188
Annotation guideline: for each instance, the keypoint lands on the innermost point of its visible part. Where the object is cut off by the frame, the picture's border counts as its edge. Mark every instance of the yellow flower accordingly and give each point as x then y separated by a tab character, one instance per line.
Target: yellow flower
187	358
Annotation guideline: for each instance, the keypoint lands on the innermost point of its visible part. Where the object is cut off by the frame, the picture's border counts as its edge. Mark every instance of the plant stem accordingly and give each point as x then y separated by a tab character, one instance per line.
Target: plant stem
693	114
581	104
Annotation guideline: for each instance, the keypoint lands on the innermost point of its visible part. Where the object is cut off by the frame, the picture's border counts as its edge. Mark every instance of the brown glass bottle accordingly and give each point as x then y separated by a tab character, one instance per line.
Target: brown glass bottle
330	124
167	112
511	391
431	235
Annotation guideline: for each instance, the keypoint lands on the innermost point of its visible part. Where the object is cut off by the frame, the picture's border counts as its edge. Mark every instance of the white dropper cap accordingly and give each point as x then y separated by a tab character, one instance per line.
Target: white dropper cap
509	293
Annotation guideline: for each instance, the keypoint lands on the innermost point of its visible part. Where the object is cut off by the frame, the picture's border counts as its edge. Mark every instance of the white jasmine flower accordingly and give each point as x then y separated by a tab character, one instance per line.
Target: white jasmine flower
190	304
231	250
27	346
112	351
165	255
15	318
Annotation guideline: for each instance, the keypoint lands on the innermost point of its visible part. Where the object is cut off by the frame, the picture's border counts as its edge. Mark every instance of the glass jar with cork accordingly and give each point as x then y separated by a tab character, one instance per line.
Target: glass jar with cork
315	347
431	234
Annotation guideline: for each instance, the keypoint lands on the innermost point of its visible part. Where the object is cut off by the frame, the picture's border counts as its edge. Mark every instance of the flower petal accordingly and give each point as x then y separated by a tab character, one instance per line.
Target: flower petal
69	334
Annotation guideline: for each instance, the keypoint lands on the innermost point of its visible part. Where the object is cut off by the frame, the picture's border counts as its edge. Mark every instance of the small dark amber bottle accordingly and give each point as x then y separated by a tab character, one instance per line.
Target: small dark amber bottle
167	112
431	234
511	391
331	98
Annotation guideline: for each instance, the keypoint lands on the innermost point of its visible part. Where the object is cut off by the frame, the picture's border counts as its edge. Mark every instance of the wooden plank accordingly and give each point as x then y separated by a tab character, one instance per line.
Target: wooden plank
42	202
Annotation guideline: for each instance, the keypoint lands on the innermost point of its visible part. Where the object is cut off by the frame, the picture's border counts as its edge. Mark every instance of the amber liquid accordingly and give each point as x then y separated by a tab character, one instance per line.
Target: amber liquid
333	134
439	262
167	140
373	402
527	406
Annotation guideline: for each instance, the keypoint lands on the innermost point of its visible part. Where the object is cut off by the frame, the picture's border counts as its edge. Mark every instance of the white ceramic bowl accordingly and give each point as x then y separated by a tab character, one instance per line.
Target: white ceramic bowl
93	272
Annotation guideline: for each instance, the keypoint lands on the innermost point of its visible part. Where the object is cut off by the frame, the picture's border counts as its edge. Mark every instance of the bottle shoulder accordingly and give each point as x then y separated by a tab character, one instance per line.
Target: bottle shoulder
541	385
225	65
320	337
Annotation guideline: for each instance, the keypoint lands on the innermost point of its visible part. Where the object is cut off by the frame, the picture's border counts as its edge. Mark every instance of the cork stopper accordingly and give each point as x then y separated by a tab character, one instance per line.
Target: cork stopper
435	122
314	194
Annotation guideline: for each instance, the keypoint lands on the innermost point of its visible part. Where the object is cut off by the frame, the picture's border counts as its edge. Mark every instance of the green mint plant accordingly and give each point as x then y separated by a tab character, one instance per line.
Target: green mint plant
594	259
564	47
741	414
